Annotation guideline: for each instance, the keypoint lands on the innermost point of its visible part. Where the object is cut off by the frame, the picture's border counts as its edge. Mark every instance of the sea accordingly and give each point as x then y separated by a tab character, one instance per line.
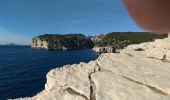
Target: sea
23	69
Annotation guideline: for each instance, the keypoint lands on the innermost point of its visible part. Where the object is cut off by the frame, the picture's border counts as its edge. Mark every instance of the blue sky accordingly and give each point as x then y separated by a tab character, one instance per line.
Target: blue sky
20	20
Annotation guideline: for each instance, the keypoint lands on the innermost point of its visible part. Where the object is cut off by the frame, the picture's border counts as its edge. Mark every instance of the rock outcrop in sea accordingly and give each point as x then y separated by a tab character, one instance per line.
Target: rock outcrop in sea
138	72
62	42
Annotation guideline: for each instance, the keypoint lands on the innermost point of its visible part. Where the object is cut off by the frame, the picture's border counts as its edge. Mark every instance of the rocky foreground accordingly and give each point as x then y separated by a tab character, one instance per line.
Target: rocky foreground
139	72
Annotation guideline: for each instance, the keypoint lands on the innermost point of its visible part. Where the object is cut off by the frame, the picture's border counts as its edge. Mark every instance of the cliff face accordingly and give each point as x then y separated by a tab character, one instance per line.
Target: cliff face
97	38
62	42
107	49
139	72
39	43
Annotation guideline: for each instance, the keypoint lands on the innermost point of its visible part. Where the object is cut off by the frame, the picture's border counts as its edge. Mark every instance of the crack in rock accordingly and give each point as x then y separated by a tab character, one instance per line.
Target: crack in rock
130	55
73	92
92	87
154	89
139	49
102	69
165	59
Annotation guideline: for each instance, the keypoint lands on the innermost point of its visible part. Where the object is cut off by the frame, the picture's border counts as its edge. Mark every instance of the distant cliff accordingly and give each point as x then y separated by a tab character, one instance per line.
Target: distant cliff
115	41
62	42
103	43
120	40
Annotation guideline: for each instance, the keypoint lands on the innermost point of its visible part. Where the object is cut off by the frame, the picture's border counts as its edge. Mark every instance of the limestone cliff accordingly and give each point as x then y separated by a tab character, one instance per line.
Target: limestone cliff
139	72
107	49
62	42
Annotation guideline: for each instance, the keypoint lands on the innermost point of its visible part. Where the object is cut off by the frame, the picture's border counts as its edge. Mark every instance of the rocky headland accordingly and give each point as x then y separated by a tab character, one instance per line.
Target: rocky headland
138	72
62	42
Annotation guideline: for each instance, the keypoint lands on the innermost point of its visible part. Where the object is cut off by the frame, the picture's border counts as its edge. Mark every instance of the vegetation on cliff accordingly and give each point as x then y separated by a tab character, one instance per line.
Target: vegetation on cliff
55	37
120	40
67	41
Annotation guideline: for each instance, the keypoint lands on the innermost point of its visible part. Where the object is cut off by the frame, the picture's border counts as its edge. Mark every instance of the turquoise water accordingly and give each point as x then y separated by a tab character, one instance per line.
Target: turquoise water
23	70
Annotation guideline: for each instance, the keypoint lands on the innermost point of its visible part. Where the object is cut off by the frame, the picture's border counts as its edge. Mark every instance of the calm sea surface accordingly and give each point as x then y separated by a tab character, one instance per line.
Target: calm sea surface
23	70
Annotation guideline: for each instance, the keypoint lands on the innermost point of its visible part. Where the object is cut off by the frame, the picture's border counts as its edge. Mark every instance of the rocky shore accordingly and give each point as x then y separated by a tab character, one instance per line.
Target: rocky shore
139	72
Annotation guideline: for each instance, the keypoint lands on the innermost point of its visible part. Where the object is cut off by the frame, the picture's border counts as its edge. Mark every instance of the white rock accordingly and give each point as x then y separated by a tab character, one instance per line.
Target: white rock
110	86
169	36
155	49
168	55
38	43
151	72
